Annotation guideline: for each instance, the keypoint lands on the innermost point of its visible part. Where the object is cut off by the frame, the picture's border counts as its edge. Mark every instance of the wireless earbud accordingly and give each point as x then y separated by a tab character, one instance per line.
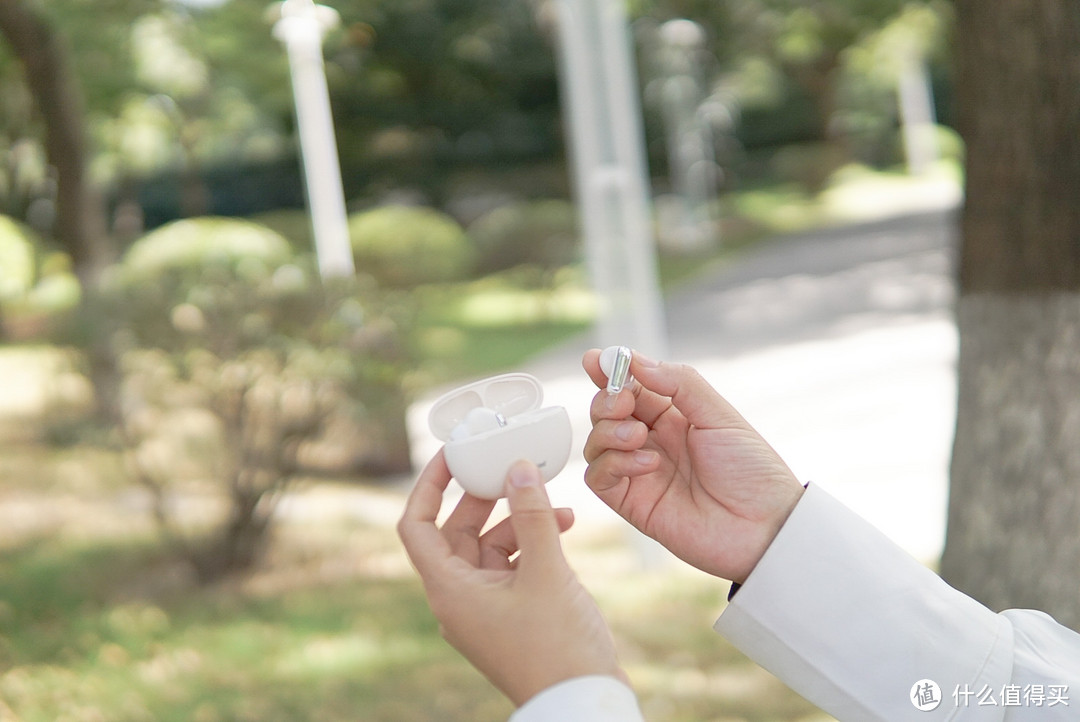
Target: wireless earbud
478	421
615	363
489	424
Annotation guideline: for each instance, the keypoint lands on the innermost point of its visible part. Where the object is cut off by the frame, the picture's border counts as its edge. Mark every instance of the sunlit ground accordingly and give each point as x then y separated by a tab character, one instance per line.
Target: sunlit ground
98	624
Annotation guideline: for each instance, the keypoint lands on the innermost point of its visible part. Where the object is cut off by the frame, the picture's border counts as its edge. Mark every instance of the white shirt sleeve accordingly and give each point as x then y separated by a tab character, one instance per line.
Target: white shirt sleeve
854	624
582	699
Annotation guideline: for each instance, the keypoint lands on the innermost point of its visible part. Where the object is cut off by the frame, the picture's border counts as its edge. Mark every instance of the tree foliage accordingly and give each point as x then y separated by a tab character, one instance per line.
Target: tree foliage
423	87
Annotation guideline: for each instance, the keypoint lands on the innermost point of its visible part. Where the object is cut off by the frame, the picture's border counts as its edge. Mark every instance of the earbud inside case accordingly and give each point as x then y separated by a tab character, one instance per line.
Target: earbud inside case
480	461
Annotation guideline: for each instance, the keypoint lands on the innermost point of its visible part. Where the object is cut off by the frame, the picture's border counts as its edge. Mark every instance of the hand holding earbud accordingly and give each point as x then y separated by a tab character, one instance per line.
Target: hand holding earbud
678	462
525	624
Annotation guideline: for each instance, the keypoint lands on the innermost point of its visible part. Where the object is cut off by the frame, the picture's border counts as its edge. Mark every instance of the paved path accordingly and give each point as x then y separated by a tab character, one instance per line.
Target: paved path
838	345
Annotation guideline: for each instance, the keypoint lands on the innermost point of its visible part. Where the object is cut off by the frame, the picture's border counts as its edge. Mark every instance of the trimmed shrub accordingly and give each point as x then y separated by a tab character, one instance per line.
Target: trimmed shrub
17	270
195	243
241	370
38	291
543	233
292	223
404	246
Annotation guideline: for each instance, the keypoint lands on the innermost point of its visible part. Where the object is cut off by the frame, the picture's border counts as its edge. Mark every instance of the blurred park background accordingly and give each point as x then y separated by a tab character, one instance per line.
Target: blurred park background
173	367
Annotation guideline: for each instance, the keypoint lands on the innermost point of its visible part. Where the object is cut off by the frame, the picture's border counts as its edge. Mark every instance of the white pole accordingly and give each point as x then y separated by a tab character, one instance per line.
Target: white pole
607	146
301	29
690	154
917	115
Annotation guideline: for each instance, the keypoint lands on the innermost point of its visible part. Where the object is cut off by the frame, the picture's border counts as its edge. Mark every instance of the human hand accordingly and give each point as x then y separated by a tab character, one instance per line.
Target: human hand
526	623
676	460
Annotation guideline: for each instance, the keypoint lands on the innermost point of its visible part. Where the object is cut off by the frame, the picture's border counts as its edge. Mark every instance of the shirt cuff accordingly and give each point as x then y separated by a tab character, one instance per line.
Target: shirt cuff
850	621
594	698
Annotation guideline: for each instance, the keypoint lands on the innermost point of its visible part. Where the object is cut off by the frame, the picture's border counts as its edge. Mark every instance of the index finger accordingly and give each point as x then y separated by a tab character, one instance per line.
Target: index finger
591	363
426	547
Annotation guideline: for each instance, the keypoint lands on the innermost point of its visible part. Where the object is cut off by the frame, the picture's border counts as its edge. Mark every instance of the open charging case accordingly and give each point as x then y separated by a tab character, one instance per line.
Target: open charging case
480	460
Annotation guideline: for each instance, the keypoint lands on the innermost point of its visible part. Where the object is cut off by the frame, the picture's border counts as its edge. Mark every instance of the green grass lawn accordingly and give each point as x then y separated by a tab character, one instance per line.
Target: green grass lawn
98	623
333	626
493	324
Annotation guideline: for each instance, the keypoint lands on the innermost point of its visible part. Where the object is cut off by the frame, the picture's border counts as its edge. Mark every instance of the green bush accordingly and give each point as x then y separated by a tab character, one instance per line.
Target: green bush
542	233
808	164
17	270
240	369
37	288
292	223
405	246
195	243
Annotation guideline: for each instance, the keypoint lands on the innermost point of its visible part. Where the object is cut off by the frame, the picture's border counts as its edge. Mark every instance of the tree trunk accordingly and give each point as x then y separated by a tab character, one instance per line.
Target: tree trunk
1014	509
80	210
80	213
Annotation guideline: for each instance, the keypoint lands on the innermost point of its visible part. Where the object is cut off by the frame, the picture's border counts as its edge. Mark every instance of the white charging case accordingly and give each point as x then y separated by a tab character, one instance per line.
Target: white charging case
481	461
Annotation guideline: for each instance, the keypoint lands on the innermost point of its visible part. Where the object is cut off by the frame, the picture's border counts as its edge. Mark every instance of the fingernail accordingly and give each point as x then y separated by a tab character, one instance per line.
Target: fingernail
644	457
625	430
524	474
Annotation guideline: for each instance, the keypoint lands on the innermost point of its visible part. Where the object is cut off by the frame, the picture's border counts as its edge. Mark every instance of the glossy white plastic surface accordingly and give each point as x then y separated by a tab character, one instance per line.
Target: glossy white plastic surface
480	461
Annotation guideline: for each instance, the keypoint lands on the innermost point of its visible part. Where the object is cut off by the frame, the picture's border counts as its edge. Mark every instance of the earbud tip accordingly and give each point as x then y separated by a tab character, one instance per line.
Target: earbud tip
607	359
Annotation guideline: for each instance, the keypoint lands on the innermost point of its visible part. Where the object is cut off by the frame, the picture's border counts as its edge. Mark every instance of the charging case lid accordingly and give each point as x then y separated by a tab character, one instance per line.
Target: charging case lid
508	394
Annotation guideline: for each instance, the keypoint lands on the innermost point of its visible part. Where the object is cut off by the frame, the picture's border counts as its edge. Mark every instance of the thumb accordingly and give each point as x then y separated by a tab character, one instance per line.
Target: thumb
535	525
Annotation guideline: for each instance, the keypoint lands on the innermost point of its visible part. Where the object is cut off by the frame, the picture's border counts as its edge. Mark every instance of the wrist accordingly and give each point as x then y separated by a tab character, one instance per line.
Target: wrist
529	688
771	531
582	699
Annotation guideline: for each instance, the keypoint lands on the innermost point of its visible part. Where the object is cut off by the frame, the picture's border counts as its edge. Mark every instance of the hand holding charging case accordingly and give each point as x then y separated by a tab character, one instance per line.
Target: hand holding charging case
489	424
